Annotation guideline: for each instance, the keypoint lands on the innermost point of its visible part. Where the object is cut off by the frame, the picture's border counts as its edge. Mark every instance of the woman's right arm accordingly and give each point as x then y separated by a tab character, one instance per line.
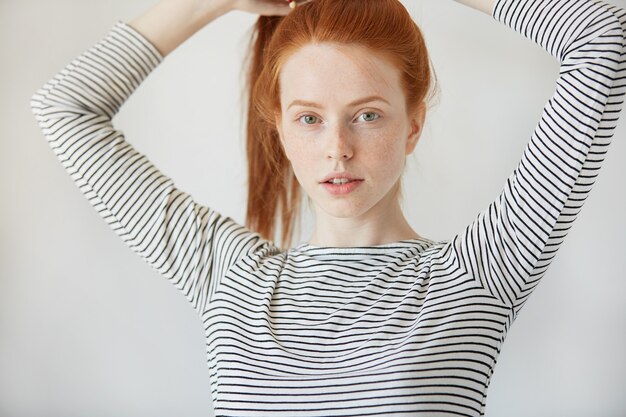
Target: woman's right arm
191	245
170	22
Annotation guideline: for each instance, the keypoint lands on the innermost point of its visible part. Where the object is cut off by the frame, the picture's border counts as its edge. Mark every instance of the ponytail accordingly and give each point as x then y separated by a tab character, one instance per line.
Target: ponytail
272	185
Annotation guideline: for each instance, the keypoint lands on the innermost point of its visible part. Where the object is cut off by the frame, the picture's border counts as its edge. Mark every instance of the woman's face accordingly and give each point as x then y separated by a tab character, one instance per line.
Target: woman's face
331	122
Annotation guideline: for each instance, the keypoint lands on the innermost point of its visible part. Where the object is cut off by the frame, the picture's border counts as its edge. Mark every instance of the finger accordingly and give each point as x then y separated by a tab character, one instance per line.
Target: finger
284	7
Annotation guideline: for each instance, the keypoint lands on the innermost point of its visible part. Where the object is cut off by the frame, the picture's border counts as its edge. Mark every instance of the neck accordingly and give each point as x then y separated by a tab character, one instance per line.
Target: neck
376	227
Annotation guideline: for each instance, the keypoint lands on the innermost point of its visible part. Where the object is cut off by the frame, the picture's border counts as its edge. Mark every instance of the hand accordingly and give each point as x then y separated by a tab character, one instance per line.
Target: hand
265	7
170	22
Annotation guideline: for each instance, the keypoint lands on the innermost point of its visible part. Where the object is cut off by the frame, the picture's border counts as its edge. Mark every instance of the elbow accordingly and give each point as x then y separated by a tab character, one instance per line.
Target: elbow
603	50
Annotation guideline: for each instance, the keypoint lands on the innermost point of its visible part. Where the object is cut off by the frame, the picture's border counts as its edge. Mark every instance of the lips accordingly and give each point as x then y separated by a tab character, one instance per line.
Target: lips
346	175
341	189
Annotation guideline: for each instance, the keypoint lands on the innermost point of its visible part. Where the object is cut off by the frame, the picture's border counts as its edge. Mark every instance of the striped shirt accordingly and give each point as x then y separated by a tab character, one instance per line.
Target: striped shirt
412	327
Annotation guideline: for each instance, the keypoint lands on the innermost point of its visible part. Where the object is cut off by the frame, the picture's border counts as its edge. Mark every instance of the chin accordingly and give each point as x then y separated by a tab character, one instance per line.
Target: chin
344	208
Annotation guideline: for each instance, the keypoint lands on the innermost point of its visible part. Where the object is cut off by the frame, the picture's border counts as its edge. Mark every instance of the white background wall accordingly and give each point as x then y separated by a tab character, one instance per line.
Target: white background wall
87	328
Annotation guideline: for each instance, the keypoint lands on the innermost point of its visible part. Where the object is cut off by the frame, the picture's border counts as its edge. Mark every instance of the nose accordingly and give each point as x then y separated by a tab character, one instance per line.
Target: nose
340	144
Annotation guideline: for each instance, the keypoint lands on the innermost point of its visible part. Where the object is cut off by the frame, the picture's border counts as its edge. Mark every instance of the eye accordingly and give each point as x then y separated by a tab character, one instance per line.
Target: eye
370	113
307	118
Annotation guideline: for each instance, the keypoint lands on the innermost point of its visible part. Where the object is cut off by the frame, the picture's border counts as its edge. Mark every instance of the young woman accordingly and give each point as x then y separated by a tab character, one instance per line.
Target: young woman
366	318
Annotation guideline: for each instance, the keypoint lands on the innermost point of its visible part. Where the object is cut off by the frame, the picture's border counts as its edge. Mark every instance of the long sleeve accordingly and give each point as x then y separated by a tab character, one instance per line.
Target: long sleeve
510	244
189	244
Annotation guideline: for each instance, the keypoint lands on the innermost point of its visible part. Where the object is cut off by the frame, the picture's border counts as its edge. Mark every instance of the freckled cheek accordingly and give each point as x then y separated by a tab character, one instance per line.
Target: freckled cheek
388	156
302	161
298	151
386	147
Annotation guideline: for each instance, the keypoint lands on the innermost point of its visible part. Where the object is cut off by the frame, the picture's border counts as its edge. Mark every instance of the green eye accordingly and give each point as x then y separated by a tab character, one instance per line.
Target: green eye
309	118
370	113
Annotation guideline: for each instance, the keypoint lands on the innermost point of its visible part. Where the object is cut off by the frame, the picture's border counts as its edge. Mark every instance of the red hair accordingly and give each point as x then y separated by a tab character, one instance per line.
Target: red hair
384	26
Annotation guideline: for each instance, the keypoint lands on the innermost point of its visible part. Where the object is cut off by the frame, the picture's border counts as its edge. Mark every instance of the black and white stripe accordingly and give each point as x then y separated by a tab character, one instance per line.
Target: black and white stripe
406	328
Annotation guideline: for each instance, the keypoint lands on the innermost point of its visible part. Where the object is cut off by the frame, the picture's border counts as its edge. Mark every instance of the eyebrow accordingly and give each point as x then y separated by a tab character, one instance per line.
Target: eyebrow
354	103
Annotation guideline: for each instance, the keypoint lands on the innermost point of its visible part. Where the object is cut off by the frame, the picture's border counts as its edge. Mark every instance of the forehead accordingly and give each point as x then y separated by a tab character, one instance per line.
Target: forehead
329	71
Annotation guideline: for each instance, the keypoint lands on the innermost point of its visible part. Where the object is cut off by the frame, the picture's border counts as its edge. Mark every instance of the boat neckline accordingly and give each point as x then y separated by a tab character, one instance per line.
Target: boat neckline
389	245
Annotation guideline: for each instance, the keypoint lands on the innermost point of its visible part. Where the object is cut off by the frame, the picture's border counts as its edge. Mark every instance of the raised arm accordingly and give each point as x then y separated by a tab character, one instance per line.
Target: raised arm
485	6
170	22
191	245
510	245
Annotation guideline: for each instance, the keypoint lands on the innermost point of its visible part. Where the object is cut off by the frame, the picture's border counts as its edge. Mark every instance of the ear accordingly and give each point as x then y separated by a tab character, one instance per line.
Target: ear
417	123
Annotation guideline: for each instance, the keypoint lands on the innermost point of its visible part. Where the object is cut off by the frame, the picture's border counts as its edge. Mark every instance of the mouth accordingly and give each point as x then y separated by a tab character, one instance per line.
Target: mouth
342	188
340	181
339	178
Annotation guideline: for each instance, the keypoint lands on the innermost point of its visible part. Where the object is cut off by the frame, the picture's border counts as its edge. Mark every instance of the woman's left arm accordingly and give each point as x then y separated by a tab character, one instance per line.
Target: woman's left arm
485	6
509	246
